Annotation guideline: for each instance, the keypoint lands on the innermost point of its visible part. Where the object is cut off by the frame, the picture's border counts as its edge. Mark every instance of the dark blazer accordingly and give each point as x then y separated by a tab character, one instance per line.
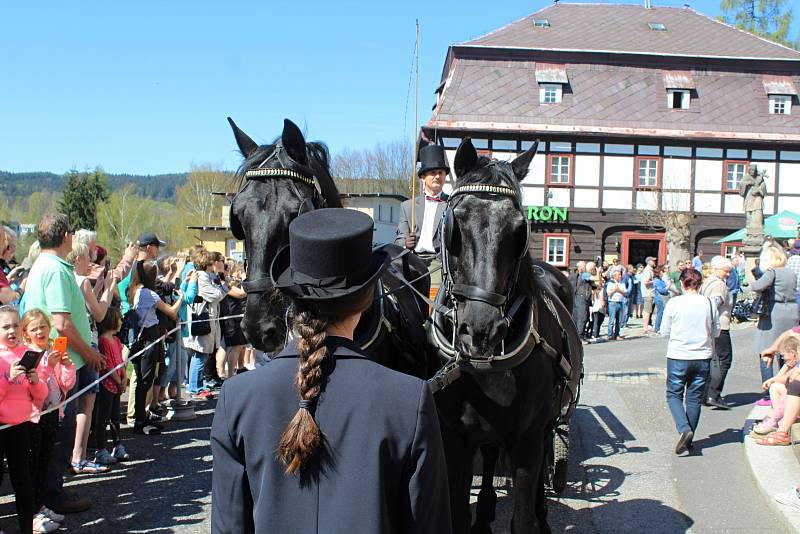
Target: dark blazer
405	220
386	471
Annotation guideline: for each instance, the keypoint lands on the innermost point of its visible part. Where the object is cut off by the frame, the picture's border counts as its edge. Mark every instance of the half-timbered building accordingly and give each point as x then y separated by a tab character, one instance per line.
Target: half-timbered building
640	112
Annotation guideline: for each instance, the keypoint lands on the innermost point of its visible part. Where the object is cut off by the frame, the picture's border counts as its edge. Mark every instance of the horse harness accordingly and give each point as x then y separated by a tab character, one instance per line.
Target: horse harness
509	357
384	298
262	174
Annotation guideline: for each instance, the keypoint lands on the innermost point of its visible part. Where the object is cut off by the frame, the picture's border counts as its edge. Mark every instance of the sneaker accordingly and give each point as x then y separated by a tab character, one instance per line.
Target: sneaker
103	457
791	498
147	429
51	515
120	453
44	525
763	402
153	417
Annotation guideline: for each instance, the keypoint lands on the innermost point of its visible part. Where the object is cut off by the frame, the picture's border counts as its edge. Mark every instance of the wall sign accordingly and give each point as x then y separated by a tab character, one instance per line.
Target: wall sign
547	214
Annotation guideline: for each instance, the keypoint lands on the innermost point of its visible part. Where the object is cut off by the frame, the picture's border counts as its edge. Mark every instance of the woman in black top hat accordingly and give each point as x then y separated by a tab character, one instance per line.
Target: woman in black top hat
322	439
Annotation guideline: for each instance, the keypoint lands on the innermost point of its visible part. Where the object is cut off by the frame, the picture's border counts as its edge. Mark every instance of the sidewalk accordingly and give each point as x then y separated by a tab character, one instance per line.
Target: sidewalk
776	469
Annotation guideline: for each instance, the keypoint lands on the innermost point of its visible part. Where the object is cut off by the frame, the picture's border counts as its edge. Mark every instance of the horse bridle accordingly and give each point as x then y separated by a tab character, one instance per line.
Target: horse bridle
262	174
472	292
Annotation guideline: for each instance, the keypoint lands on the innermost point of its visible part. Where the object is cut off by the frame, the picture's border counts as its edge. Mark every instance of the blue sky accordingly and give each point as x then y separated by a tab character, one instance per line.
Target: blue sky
144	87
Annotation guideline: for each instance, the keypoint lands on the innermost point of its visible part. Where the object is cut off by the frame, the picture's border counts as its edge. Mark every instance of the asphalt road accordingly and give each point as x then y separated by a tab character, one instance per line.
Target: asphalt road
623	474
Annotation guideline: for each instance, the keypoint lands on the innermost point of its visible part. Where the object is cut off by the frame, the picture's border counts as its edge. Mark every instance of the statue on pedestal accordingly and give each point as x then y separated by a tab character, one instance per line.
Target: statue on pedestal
753	189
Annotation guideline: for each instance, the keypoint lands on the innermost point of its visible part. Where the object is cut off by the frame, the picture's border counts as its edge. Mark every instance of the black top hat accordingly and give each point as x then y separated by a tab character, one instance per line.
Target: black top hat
329	256
432	157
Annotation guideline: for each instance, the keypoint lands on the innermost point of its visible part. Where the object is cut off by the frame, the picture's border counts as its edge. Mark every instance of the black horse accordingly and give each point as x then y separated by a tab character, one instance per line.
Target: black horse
278	182
509	328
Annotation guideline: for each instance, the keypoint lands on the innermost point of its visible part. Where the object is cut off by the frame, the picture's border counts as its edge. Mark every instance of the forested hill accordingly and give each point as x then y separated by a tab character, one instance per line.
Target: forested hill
157	187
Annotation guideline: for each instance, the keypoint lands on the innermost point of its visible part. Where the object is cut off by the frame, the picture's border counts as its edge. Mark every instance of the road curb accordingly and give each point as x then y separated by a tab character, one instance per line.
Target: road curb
775	469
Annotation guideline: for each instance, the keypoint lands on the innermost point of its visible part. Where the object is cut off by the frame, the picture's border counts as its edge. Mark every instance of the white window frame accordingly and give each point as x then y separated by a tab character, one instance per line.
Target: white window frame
557	175
738	176
552	255
649	169
730	251
550	93
780	104
686	98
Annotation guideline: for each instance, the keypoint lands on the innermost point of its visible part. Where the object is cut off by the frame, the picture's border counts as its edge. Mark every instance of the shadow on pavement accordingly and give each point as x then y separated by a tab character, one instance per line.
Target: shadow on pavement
729	435
635	515
741	399
163	489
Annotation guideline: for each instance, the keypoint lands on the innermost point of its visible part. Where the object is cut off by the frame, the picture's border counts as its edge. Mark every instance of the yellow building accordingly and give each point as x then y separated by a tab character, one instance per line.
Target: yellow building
219	238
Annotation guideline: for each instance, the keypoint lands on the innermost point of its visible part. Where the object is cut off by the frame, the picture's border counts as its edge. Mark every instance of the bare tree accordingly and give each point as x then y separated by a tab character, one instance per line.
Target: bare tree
668	209
385	168
194	196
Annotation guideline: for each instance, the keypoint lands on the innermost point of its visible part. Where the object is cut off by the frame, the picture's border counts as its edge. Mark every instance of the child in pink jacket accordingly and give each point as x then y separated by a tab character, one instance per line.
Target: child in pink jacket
21	393
57	371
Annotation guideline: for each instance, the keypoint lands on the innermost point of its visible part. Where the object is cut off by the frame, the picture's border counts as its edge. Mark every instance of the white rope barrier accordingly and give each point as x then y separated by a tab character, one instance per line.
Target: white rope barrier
131	357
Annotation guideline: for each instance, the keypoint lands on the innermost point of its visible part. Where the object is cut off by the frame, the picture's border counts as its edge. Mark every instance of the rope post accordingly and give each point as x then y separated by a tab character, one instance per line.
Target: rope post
179	409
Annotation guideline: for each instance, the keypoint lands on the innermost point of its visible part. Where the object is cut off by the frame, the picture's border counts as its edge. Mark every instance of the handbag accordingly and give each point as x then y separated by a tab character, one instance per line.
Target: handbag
762	305
201	326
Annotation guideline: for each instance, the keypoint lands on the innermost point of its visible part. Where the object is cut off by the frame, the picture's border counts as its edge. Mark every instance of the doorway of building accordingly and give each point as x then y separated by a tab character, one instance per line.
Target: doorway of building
638	246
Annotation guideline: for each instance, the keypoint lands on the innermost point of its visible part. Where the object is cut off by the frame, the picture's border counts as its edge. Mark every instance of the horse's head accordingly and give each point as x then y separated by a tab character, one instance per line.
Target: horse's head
486	245
278	182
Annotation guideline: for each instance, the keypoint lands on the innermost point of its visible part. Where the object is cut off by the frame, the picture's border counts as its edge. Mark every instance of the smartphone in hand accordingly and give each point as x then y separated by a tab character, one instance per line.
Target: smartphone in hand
30	359
60	344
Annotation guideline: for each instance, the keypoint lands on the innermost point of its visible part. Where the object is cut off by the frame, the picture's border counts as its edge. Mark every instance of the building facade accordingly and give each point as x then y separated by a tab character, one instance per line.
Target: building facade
641	114
384	208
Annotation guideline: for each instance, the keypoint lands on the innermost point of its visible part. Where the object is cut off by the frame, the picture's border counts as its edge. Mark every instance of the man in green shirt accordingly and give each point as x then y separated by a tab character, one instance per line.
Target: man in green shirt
52	287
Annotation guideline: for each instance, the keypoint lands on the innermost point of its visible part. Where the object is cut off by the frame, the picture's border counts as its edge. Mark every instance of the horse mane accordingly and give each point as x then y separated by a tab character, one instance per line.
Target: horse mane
318	166
494	172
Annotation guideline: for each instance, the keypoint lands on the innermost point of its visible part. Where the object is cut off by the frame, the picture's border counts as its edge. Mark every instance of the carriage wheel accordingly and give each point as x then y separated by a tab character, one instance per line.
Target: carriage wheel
560	457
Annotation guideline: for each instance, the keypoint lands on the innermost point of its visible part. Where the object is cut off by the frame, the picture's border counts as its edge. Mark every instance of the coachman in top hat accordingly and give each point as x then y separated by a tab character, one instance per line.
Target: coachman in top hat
424	238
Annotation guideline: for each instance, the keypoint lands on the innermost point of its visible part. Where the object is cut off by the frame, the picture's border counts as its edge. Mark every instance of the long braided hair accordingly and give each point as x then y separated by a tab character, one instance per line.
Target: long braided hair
302	441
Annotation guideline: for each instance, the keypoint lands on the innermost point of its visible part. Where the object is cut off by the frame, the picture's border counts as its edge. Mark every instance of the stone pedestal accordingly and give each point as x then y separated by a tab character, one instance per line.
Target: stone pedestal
751	254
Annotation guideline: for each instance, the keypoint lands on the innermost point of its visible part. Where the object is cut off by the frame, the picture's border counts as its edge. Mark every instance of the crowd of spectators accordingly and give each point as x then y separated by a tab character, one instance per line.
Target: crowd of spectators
117	317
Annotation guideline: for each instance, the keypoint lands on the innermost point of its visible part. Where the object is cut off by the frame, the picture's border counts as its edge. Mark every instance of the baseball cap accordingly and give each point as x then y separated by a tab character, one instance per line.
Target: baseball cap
648	258
149	238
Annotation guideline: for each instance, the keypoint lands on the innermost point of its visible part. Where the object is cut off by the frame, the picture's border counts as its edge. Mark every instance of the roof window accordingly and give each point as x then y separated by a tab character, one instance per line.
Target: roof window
657	26
541	23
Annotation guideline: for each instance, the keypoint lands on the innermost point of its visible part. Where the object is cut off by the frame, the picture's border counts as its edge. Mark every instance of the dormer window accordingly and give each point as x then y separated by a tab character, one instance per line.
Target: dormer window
552	77
678	98
679	85
541	23
780	104
780	91
549	93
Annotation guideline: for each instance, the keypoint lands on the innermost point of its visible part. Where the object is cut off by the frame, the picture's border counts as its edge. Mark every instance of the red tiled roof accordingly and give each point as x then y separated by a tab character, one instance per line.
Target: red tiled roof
624	28
502	95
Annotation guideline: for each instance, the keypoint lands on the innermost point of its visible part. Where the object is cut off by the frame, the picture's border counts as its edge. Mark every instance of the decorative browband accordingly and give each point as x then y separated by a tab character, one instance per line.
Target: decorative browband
284	173
478	188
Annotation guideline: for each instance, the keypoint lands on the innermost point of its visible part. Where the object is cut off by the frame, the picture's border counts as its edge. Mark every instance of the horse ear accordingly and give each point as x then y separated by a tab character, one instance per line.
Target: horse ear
466	158
523	162
294	142
246	145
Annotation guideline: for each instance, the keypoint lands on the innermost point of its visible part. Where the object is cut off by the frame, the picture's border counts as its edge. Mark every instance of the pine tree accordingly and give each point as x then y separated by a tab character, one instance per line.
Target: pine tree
82	193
